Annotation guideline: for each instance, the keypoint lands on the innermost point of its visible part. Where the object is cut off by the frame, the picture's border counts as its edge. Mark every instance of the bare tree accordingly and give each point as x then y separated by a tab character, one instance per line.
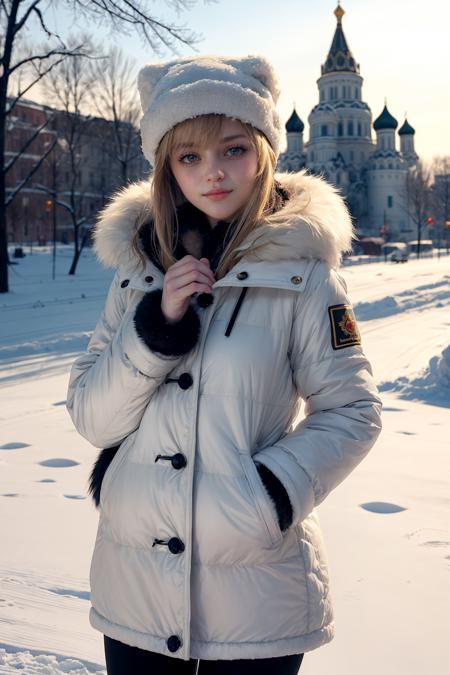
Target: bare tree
441	197
115	98
126	16
68	87
416	197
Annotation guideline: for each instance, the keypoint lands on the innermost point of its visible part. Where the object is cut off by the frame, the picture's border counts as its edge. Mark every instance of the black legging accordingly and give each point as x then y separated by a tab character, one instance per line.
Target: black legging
121	659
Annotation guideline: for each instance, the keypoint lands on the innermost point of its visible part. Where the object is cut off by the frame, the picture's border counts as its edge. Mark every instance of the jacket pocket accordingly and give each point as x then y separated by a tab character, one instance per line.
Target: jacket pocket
265	509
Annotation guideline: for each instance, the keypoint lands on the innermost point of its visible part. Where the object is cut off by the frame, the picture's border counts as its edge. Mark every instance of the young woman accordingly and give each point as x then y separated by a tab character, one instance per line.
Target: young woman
226	311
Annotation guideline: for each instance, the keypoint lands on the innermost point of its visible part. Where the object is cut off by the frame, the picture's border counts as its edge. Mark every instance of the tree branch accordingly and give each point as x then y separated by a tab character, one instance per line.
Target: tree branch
41	57
19	25
29	141
33	82
4	8
127	12
18	188
44	27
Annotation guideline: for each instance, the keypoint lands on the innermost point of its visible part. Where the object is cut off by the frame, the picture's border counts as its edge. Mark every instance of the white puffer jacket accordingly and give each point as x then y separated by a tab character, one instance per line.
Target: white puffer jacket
190	560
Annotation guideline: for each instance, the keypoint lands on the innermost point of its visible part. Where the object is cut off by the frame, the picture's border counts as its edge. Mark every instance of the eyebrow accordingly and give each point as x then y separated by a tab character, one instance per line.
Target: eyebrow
223	140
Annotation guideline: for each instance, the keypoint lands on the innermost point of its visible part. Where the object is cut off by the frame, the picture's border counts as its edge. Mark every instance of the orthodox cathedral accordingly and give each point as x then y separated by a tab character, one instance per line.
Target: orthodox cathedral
370	175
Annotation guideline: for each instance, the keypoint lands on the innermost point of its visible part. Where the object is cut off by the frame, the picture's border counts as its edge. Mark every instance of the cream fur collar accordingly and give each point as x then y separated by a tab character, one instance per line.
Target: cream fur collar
313	223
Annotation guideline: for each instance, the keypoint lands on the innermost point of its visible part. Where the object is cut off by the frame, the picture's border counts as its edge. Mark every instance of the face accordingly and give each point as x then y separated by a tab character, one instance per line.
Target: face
229	165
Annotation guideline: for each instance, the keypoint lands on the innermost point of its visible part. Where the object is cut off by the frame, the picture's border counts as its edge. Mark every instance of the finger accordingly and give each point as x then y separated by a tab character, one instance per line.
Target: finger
200	288
181	280
192	264
206	261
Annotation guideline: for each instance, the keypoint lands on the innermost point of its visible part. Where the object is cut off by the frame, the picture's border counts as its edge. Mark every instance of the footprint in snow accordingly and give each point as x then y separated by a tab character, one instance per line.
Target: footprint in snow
60	403
382	507
423	537
83	595
75	496
46	480
14	446
391	409
10	494
58	462
436	543
407	433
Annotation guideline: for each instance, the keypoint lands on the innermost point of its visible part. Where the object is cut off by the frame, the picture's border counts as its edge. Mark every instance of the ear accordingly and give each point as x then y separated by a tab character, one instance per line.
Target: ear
261	69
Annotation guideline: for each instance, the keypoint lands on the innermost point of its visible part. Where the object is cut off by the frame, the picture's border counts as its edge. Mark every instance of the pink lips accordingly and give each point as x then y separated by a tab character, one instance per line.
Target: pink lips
216	196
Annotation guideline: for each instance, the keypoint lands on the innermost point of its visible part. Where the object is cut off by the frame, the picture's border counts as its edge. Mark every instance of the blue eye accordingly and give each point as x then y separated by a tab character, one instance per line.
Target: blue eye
234	147
191	154
237	147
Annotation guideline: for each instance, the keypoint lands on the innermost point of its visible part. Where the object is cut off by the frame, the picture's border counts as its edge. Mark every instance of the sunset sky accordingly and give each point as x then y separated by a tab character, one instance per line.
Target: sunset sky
403	49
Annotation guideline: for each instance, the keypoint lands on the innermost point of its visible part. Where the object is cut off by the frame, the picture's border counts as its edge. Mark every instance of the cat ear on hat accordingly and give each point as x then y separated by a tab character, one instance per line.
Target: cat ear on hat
148	78
260	68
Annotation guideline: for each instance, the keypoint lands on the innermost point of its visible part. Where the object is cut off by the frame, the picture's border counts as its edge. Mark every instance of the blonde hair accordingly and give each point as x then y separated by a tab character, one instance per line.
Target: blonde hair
166	196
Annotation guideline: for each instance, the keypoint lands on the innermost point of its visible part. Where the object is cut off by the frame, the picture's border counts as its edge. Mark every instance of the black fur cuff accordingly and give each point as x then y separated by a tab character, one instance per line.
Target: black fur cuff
278	495
159	335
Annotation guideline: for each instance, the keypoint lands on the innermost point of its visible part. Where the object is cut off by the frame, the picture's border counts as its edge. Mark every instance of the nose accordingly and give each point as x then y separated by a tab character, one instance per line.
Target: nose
214	170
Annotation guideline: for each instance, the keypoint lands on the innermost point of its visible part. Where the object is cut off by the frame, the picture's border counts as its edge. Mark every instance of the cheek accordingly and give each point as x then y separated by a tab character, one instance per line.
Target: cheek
249	168
248	174
183	178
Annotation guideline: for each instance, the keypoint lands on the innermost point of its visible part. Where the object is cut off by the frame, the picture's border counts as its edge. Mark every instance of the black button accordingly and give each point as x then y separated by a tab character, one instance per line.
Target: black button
242	275
175	545
179	461
205	299
173	643
185	381
124	283
149	279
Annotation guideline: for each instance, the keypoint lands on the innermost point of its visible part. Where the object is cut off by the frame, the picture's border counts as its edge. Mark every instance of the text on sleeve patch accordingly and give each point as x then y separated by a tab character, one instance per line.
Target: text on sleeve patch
344	329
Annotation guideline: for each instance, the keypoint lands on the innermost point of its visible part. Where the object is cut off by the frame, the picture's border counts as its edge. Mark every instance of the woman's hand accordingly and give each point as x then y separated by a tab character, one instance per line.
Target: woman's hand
182	279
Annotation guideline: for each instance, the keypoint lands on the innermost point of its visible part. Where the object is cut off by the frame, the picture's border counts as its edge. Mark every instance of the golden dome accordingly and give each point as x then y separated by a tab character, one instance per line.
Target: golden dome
339	12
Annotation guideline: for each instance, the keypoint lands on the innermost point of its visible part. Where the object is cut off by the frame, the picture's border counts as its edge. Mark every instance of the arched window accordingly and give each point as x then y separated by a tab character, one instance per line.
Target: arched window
324	130
340	129
359	129
390	201
350	128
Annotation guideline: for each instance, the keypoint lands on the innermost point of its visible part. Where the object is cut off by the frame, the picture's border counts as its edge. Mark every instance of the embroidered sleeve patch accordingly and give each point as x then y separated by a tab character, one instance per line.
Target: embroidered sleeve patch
344	329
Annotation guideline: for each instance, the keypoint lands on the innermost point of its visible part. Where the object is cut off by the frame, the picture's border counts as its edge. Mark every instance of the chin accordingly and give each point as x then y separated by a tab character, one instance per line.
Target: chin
217	214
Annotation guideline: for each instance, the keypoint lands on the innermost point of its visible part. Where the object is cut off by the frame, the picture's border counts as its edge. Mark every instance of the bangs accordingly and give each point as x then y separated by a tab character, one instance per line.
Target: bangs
198	132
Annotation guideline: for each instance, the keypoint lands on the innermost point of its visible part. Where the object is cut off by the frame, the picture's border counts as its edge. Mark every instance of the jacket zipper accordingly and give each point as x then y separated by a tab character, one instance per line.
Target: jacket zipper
235	311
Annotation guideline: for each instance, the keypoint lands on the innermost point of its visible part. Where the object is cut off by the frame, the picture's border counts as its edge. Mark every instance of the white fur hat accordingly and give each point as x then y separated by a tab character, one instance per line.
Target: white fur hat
244	88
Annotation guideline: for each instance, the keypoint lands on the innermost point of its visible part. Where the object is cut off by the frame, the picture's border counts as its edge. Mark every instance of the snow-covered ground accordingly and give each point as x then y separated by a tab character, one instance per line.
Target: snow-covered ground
386	526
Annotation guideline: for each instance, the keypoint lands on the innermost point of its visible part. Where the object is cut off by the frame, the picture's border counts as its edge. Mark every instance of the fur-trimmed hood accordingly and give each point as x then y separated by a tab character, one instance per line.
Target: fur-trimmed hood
313	223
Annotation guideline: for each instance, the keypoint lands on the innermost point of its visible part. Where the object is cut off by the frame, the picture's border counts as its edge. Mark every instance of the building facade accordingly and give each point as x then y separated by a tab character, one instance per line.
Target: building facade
75	179
370	174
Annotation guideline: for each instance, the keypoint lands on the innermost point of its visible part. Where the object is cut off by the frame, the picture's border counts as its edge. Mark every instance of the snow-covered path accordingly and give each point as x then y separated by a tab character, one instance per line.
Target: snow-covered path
386	527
